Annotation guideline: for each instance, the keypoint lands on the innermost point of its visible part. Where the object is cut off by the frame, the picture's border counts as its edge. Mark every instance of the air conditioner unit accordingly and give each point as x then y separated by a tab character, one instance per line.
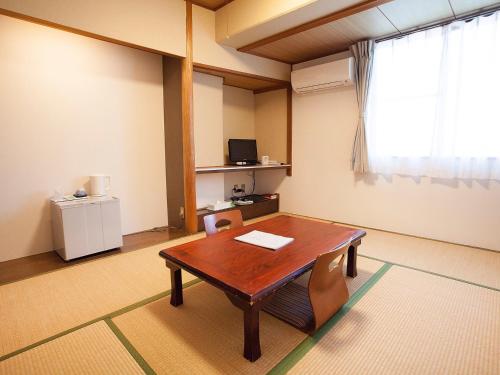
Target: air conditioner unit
324	76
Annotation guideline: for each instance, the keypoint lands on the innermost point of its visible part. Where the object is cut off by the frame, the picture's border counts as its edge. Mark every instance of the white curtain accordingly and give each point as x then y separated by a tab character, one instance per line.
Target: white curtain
434	102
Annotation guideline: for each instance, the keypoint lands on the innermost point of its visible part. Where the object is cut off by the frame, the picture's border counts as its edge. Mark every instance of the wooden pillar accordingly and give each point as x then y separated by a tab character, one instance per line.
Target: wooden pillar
289	129
191	221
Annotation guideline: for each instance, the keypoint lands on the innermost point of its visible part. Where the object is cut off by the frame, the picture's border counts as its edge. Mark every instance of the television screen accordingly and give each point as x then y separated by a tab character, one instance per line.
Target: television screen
242	150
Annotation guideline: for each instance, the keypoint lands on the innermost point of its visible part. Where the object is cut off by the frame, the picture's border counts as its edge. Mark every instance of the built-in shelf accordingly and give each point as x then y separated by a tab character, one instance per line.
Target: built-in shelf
239	168
260	207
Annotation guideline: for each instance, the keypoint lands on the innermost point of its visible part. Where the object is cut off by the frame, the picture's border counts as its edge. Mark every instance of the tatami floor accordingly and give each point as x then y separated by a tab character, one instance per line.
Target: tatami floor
417	307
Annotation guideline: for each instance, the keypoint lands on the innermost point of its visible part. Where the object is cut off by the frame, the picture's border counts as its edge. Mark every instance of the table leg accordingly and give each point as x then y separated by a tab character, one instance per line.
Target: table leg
352	255
251	349
176	285
251	311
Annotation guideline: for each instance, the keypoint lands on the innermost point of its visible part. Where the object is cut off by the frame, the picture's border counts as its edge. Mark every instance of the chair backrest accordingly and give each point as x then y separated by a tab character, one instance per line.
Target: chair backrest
232	218
327	287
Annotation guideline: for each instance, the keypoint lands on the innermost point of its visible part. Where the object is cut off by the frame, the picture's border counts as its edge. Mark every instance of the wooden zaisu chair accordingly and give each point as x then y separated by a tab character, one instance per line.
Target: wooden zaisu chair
308	308
212	222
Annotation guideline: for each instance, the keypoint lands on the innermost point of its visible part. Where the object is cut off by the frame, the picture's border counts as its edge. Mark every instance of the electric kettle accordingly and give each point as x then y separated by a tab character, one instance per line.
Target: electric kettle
99	185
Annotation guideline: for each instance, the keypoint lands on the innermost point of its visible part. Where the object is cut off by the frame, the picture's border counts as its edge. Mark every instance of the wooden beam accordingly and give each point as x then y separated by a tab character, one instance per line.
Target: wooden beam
349	11
248	81
217	71
289	129
190	218
267	89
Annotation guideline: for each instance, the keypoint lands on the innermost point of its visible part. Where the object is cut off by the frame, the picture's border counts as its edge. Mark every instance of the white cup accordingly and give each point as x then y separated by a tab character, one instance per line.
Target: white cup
265	160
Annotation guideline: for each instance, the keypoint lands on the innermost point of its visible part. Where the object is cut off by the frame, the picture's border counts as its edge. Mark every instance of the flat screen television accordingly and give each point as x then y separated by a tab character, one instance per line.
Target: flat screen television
243	150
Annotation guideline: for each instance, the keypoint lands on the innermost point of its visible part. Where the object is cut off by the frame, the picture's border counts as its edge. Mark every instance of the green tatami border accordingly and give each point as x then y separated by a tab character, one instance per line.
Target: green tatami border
110	315
431	273
130	348
301	350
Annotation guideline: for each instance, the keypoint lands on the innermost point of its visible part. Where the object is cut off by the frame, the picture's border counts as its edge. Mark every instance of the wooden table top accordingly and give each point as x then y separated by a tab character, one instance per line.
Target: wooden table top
252	272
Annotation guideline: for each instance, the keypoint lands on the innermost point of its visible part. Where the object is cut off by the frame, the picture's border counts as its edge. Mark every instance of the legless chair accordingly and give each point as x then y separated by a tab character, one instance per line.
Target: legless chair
309	308
233	217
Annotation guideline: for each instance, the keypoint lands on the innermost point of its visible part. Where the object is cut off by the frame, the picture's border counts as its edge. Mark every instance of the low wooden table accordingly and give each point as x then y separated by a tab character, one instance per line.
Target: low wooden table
248	274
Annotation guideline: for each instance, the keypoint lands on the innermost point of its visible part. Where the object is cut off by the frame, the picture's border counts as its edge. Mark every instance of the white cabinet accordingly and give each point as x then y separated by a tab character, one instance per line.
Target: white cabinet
86	227
112	231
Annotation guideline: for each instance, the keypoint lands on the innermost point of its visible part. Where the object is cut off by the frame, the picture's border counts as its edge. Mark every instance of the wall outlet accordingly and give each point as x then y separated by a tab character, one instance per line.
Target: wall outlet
181	212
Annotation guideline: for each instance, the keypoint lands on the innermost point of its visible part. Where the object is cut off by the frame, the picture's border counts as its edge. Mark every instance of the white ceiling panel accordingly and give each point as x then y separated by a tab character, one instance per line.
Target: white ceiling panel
407	14
468	6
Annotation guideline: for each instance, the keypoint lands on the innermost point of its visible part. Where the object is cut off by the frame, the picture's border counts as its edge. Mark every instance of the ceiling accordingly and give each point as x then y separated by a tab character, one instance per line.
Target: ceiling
211	4
391	18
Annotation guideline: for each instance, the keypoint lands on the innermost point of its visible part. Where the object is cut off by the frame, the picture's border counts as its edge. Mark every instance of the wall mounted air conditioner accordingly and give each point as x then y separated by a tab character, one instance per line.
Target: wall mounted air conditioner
324	76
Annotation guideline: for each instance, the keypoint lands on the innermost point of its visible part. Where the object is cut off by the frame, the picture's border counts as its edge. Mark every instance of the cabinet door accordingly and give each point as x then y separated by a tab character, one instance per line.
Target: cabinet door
75	232
111	224
94	227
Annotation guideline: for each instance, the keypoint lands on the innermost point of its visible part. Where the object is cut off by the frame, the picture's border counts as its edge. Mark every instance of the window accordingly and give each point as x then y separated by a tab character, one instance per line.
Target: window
434	102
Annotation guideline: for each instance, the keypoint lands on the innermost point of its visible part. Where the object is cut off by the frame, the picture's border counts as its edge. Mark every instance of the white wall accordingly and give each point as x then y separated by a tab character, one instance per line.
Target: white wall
239	122
72	106
156	24
238	115
466	212
208	136
271	124
207	51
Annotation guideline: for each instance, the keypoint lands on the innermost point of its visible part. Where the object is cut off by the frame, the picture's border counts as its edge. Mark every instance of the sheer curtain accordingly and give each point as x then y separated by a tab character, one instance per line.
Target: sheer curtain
434	102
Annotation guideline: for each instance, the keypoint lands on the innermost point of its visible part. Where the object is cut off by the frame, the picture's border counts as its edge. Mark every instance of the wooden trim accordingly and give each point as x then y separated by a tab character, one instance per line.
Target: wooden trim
211	8
217	71
289	129
349	11
73	30
267	89
238	87
191	221
263	55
